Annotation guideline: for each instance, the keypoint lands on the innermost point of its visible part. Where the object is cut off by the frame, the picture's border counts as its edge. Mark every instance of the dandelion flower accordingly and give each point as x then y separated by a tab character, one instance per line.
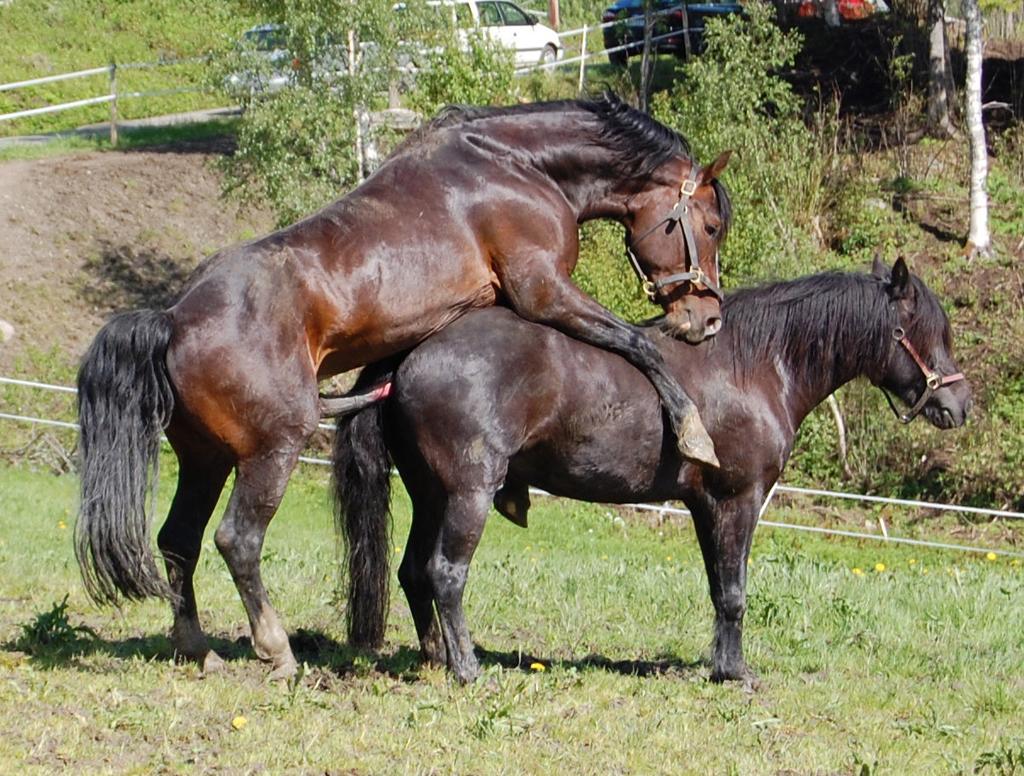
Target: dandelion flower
912	561
239	722
857	571
668	557
62	525
538	667
879	567
1015	562
990	556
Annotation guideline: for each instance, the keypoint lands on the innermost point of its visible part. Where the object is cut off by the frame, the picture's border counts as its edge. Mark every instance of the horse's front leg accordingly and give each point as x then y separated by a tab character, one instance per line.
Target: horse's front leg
725	531
554	300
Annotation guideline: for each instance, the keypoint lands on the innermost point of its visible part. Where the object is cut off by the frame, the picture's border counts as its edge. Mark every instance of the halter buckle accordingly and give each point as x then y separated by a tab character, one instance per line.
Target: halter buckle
650	289
688	189
932	380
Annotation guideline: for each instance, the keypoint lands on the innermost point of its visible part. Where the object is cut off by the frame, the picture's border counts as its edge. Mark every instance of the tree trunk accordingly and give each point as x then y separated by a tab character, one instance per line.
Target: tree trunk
554	17
647	60
940	76
831	9
978	239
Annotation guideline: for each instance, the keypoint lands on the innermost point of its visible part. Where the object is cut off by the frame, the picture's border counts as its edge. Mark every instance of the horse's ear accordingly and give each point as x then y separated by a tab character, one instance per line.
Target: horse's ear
899	284
879	268
714	169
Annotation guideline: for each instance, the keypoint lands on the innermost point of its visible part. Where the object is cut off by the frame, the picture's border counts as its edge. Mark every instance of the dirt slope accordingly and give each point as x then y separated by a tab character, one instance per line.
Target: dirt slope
85	235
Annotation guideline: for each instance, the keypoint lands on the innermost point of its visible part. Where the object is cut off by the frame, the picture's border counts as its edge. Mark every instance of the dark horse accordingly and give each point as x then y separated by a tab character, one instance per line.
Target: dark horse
494	404
481	207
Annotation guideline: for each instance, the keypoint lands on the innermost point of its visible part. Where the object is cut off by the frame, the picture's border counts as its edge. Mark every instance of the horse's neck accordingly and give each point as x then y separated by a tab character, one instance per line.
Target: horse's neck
810	380
565	150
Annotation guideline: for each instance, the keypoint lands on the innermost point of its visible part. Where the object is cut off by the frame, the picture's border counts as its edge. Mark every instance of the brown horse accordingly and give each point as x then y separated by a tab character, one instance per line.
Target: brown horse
528	406
479	208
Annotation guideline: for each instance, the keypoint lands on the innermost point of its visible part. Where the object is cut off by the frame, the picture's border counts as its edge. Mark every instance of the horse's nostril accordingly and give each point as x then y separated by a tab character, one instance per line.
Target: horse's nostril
713	326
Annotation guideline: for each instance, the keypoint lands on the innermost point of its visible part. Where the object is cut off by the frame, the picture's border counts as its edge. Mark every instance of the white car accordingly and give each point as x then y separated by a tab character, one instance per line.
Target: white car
509	25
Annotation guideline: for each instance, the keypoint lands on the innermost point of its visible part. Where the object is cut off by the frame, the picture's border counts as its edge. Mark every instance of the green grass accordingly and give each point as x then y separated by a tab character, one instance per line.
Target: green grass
916	668
44	38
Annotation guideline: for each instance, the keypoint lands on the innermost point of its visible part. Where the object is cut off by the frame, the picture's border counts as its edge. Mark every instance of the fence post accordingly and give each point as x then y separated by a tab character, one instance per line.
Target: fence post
583	59
113	104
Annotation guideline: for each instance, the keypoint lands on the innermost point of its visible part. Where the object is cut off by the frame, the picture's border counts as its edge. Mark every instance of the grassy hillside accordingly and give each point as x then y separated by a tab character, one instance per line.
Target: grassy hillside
43	38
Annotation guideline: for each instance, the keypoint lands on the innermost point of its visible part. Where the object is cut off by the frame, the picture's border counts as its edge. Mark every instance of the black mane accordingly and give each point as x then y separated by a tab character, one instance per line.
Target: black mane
834	322
639	143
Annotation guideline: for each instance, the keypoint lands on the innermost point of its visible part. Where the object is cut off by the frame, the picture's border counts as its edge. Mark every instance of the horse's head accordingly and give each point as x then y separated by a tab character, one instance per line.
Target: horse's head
920	368
674	226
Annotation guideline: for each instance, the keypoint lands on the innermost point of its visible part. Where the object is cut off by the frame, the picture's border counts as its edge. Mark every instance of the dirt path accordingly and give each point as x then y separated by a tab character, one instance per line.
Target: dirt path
84	235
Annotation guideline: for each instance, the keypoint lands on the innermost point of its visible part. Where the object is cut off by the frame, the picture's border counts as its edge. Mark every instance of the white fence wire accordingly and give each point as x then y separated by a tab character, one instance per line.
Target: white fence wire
665	508
112	95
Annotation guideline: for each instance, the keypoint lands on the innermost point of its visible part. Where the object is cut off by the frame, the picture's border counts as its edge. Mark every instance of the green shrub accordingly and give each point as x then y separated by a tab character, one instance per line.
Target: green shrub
478	74
731	97
605	274
298	147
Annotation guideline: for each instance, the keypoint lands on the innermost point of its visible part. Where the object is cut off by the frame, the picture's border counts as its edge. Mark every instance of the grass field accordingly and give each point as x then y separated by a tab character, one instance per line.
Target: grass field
592	631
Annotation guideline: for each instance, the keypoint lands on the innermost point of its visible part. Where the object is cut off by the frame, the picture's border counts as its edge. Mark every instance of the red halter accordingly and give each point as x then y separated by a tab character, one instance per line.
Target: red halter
932	379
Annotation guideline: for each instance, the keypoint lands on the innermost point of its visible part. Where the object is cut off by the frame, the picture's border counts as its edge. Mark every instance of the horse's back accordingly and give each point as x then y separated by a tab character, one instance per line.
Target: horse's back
493	390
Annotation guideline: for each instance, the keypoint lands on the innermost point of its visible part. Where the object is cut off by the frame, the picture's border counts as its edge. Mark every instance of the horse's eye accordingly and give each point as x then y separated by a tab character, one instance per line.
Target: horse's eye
710	229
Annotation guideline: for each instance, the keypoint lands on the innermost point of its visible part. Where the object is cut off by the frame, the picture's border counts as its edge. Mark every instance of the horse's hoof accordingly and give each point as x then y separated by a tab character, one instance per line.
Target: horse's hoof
466	677
694	442
283	672
211	663
434	655
748	678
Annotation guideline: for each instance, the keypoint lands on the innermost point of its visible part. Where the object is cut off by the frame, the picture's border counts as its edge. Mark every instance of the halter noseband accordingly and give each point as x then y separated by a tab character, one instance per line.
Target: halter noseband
694	274
932	379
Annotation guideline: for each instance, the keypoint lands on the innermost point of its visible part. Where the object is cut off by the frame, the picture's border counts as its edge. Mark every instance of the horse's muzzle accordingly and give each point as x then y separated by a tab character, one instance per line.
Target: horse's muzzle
949	406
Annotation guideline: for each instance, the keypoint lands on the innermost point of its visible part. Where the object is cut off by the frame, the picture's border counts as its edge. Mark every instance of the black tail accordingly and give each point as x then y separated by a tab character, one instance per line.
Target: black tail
362	490
124	402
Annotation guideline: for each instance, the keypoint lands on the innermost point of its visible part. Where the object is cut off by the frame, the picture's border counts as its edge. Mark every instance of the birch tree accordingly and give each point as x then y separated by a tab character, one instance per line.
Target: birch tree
831	13
978	238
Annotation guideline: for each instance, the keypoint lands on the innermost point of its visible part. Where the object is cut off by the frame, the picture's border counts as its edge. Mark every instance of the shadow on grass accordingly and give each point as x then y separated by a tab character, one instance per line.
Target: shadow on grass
657	667
316	650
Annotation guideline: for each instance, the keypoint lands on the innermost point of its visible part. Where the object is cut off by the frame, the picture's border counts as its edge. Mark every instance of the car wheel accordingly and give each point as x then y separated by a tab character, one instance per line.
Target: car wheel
618	58
548	55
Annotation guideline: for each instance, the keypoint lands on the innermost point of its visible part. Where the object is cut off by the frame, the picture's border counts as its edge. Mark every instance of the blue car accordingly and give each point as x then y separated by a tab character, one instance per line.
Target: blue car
678	27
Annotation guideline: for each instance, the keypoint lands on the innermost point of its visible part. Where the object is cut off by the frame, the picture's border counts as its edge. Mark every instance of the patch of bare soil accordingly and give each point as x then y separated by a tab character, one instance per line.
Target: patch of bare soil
86	235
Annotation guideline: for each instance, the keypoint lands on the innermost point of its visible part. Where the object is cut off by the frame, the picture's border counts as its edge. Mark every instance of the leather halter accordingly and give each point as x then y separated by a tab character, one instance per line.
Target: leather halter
932	379
694	274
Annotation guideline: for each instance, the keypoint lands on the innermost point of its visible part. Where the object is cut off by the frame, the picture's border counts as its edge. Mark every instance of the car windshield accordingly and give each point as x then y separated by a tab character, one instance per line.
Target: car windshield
489	15
513	15
265	39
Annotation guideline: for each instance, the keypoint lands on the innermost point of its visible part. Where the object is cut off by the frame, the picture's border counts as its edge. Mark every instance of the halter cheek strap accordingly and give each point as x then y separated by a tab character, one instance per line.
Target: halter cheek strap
694	274
932	379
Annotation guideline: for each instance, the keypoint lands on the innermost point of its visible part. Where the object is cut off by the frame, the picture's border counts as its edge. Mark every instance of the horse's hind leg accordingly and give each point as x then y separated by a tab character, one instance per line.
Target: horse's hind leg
448	569
259	486
416	582
200	481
